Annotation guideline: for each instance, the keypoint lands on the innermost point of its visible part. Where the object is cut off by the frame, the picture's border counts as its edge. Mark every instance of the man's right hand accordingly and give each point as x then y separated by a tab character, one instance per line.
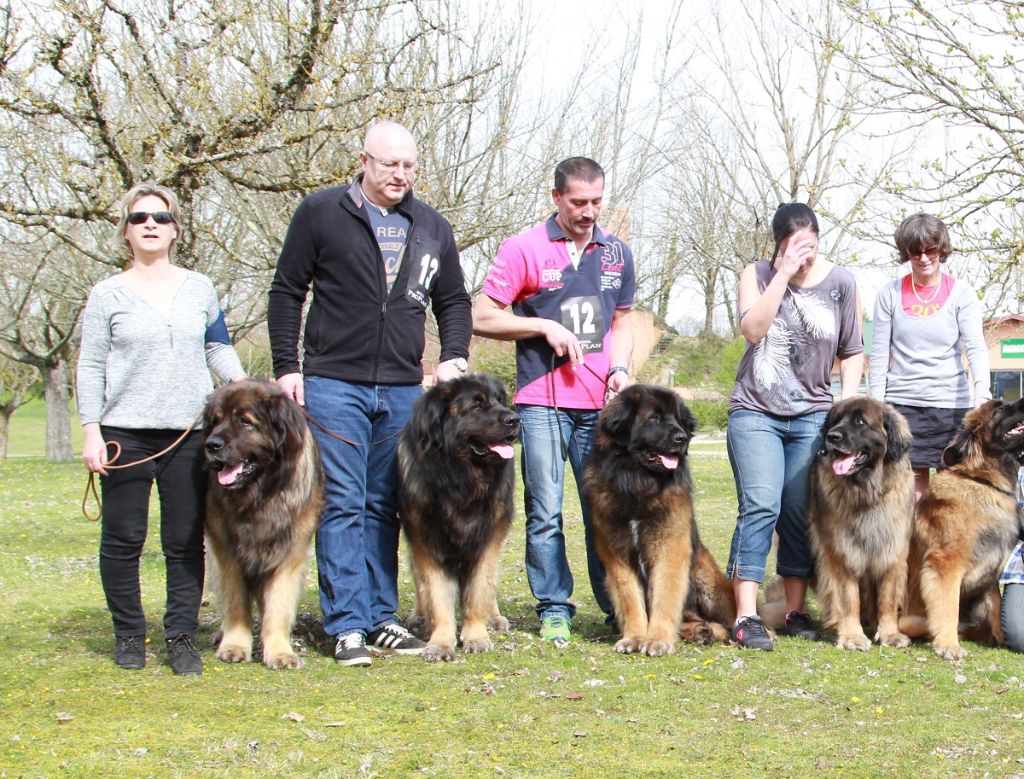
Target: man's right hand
563	341
291	385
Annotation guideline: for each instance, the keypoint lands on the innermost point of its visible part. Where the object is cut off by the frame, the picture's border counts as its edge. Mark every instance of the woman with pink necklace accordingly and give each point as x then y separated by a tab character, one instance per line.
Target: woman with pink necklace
923	324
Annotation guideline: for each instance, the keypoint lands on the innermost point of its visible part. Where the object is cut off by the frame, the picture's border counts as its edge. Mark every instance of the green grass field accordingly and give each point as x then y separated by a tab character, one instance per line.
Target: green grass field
522	710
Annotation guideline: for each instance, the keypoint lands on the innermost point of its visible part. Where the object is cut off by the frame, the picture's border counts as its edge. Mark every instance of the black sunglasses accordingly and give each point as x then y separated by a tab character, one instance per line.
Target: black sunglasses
160	217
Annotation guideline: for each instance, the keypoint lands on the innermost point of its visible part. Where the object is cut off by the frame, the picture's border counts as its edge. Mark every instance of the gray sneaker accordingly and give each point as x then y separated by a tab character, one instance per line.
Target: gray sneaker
350	649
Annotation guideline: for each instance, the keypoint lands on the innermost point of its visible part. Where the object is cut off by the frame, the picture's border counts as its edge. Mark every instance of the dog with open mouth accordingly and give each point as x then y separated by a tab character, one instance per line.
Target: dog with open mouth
456	503
663	582
262	510
964	529
861	515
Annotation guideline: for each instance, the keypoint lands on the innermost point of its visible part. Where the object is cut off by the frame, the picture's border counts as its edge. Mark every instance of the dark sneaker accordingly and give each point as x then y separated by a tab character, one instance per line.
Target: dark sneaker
393	639
799	624
130	652
750	633
183	655
557	629
350	649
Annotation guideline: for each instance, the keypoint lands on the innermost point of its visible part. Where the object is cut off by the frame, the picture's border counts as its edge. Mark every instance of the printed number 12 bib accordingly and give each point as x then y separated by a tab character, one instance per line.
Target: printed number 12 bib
583	316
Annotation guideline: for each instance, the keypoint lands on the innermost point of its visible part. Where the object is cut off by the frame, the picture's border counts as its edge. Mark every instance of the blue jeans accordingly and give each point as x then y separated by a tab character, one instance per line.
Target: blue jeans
547	567
1011	615
771	460
357	541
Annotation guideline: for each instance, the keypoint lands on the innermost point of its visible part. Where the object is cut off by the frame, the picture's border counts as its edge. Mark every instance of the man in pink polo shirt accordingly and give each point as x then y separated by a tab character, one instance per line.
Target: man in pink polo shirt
570	287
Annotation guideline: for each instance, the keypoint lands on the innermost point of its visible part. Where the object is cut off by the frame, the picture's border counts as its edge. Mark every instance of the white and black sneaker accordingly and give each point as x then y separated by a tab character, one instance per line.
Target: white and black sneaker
350	649
393	639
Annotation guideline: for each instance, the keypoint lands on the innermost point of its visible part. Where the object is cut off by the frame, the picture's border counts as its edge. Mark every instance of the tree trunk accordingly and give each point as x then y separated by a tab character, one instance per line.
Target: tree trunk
709	313
58	419
5	428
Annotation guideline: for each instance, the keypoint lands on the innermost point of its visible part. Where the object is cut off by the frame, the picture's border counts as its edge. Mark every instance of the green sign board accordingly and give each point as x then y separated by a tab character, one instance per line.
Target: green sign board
1011	347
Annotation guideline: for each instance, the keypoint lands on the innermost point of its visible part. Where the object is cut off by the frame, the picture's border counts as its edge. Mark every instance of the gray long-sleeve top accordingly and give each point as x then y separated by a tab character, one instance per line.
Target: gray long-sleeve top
916	361
140	367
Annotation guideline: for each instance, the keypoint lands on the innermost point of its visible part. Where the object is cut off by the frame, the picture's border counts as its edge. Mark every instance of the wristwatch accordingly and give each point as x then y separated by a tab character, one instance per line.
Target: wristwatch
617	369
460	363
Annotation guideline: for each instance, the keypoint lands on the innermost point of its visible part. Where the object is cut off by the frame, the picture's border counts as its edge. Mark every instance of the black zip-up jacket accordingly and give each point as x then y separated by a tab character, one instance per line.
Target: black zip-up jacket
355	330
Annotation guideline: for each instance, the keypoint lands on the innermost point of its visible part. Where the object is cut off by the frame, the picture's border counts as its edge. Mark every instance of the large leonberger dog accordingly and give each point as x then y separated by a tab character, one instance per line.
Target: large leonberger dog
262	510
964	529
861	514
455	464
640	495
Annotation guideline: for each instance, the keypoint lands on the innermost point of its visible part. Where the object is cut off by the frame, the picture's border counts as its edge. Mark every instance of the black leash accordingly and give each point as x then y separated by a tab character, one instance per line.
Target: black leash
554	402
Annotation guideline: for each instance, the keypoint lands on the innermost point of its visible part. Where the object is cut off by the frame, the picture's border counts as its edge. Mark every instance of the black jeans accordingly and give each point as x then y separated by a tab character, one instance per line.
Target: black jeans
181	485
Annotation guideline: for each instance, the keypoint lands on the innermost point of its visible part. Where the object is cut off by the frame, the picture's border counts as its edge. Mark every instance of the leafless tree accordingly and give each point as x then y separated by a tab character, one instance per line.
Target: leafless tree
17	382
240	106
958	66
770	118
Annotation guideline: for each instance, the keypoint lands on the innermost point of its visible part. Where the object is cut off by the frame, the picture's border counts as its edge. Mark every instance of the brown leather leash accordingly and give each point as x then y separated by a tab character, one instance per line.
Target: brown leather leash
90	485
327	431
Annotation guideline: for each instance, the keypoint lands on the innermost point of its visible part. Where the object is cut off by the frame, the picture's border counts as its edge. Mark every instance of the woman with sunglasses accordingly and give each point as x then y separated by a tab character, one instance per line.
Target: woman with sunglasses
923	324
150	336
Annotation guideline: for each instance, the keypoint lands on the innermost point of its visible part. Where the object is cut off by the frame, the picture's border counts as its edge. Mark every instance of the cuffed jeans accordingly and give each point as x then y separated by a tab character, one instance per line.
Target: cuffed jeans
181	484
357	541
547	567
771	459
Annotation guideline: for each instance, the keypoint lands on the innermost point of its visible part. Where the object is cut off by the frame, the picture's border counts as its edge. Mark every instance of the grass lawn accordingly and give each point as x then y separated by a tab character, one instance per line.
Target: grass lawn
521	710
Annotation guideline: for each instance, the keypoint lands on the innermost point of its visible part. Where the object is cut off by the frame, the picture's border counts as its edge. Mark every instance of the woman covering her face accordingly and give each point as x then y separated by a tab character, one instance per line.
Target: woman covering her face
798	312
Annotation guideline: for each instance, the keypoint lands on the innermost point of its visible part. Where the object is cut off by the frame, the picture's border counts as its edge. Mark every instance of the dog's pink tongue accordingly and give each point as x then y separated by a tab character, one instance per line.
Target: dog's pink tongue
228	475
844	465
670	461
504	451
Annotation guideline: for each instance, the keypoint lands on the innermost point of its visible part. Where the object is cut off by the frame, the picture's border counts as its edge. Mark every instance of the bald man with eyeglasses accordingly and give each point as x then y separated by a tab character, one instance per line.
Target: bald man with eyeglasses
376	257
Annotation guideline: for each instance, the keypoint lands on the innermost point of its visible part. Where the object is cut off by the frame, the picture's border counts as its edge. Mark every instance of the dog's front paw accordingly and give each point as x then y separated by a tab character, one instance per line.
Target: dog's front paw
416	622
857	641
658	648
234	653
896	639
282	660
952	652
476	645
628	646
435	652
498	624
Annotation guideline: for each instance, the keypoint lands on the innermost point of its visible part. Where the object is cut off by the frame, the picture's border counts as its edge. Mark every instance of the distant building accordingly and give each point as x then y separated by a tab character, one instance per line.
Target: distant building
1005	339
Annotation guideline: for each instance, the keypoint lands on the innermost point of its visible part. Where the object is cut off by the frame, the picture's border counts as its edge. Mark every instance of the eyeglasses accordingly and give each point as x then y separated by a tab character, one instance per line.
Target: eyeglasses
931	252
160	217
393	165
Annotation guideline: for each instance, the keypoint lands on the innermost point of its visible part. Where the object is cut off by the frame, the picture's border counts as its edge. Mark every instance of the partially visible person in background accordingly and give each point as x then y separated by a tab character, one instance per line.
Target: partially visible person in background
1011	609
150	336
798	313
923	324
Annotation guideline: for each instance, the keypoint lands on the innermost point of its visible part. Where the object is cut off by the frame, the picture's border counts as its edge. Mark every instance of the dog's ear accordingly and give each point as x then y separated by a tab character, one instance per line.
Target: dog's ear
897	434
429	414
686	418
830	419
616	419
968	442
287	421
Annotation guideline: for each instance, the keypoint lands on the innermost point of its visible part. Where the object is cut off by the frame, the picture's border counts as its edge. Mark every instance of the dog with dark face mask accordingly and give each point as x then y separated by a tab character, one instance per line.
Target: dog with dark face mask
456	502
262	510
662	580
861	514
